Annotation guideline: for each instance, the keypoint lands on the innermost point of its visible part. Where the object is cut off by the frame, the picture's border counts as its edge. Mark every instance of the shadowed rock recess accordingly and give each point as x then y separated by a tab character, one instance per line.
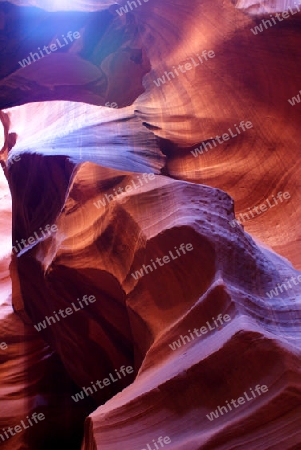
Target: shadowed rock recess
150	250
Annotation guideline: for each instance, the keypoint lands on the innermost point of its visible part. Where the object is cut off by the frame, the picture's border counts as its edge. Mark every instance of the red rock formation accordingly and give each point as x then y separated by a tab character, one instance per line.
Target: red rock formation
212	327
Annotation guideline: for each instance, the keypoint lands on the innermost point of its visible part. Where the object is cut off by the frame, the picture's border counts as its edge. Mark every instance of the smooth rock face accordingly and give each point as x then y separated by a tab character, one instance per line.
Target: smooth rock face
136	312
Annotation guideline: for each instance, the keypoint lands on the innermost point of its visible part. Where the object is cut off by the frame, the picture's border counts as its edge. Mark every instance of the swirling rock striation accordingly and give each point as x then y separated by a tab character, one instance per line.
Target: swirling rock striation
220	315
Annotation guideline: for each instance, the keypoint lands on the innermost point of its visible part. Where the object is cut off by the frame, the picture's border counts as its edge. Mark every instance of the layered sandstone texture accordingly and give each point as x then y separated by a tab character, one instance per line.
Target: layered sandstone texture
98	140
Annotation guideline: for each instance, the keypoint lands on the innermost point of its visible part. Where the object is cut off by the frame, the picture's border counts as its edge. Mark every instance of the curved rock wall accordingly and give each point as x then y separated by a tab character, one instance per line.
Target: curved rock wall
150	292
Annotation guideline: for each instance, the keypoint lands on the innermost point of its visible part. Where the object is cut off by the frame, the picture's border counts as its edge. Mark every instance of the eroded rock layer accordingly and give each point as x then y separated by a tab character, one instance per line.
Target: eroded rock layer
139	315
136	296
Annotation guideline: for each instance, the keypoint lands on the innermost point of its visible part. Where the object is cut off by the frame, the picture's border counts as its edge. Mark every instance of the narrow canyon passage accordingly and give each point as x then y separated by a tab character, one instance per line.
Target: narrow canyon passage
149	207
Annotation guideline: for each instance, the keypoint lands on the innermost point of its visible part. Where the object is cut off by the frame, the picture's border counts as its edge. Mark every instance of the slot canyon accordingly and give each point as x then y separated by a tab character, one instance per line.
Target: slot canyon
150	257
